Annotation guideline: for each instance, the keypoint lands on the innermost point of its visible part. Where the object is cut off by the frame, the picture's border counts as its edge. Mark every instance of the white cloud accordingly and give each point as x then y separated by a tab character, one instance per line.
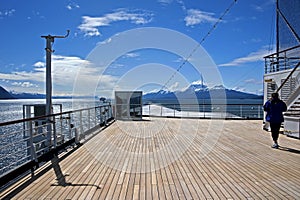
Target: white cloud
35	15
39	64
182	5
25	84
90	25
131	55
164	2
264	5
195	17
116	66
168	2
64	73
71	75
254	81
252	57
105	41
7	13
258	8
72	5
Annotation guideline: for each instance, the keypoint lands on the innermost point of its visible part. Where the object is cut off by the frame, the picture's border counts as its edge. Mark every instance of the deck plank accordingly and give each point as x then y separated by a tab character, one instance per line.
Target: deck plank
163	158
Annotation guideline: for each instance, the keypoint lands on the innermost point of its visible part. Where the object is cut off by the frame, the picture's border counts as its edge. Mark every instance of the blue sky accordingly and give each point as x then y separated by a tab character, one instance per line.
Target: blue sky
236	46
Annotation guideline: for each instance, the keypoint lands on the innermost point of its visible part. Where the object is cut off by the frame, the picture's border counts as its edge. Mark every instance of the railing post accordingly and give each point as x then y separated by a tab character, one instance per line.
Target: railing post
174	109
76	136
105	113
69	125
61	126
49	132
80	121
54	133
95	116
100	113
89	118
32	147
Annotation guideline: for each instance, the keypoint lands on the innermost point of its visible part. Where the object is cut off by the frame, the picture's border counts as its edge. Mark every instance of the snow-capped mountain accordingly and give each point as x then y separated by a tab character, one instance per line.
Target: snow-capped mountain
4	94
197	86
199	91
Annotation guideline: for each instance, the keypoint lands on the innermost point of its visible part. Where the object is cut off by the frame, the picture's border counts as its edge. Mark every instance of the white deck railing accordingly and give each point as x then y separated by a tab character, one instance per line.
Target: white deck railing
25	140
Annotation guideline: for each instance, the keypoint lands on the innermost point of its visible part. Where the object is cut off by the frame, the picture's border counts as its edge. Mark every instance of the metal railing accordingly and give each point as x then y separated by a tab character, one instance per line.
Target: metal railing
228	111
282	60
25	140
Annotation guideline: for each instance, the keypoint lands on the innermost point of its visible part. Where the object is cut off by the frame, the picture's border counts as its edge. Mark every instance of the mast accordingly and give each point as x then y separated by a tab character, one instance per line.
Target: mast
277	35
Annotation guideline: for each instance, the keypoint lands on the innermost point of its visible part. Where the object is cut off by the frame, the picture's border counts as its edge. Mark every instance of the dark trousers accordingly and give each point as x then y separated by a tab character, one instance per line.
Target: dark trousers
275	130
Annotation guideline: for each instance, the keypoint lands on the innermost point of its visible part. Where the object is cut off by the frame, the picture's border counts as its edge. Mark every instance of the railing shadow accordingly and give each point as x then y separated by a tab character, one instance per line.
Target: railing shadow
61	178
289	150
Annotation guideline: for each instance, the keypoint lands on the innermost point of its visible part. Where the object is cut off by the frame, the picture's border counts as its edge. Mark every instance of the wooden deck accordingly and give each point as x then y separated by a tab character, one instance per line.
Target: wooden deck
164	158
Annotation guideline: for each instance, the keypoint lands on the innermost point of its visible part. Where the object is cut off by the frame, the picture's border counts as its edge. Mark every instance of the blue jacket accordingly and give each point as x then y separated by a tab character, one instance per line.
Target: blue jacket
274	109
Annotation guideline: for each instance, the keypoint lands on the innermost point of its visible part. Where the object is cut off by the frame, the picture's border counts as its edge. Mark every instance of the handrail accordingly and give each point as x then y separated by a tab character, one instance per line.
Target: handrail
46	116
205	110
282	60
288	77
26	144
282	51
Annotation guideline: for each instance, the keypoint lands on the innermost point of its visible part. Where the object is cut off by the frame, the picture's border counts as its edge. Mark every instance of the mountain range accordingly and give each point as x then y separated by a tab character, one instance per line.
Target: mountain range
195	91
200	92
4	94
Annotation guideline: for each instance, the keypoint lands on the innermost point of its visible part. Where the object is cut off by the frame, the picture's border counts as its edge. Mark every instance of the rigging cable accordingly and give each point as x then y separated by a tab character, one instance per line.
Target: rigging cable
272	35
270	50
199	44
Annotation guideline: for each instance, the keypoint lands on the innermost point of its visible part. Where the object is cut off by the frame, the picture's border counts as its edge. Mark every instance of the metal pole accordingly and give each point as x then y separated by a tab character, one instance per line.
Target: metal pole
277	35
49	41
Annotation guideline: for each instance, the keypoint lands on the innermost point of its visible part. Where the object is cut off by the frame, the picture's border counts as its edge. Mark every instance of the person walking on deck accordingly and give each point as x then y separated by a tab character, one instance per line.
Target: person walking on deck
274	108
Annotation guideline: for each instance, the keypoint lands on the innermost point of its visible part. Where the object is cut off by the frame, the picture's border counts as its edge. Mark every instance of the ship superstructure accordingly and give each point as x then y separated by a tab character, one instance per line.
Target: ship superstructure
282	71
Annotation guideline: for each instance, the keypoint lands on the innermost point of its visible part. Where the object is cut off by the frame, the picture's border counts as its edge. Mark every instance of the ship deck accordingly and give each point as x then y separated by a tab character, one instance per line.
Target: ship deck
164	158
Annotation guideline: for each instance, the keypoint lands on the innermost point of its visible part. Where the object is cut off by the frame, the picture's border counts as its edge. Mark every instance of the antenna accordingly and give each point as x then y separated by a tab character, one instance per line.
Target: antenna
49	40
57	36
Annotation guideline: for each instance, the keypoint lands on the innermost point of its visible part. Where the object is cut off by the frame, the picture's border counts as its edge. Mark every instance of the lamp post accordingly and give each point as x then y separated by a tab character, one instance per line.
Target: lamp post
49	51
